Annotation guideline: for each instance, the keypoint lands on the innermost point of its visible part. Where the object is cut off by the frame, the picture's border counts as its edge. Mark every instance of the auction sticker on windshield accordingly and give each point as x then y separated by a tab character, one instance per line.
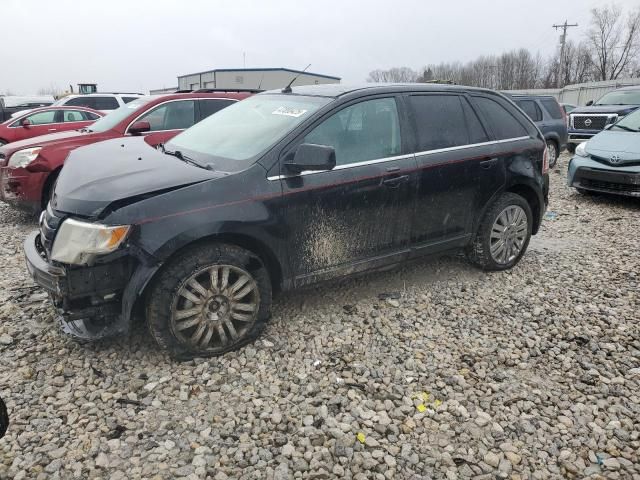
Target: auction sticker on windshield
289	112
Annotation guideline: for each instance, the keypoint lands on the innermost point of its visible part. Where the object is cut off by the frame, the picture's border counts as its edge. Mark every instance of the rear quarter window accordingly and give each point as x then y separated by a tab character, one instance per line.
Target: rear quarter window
552	107
531	109
505	123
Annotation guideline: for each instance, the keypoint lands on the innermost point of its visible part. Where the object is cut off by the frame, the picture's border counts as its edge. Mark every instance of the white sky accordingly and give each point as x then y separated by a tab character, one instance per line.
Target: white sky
136	45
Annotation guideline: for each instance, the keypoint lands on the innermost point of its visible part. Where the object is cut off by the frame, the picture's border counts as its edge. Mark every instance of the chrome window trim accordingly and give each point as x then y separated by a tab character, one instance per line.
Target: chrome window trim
399	157
126	130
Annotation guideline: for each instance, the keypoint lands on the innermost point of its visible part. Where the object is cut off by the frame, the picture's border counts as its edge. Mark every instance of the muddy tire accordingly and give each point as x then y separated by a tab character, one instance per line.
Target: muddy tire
503	235
209	300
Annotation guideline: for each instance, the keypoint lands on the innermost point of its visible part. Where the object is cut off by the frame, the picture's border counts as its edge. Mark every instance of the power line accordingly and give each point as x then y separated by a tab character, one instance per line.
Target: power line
563	41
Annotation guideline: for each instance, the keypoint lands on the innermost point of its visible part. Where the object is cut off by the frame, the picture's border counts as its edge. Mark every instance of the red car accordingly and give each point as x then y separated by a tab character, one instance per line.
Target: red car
41	121
29	168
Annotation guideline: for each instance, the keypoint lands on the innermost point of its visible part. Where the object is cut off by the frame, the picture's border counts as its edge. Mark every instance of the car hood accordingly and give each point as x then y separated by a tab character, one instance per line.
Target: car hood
624	145
51	139
119	172
619	109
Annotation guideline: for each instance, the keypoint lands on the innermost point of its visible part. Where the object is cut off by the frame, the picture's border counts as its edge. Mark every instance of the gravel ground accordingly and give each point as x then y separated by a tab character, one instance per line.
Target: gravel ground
433	371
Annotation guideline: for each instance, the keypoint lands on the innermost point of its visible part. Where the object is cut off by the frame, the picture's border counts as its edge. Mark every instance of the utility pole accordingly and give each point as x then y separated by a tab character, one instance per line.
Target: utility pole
563	41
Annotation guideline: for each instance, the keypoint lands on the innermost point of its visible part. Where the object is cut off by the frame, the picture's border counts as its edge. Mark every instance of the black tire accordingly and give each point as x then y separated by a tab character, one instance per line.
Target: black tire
195	264
571	147
479	252
47	191
553	153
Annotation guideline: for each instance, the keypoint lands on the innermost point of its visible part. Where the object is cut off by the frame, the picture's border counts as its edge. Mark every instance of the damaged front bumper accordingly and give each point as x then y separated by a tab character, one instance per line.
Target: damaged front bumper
93	301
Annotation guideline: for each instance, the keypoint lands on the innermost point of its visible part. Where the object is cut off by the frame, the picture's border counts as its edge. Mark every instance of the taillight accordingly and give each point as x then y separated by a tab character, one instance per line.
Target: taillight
545	161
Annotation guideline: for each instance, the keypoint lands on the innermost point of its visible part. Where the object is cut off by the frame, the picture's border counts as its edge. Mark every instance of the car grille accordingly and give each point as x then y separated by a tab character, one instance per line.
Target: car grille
49	223
589	122
611	186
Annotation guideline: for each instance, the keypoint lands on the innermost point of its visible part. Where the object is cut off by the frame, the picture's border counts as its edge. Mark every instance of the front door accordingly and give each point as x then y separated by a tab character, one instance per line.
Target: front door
168	119
358	215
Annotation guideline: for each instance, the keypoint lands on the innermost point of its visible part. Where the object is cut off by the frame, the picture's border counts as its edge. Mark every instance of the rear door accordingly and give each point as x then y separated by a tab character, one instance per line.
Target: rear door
358	215
454	158
76	119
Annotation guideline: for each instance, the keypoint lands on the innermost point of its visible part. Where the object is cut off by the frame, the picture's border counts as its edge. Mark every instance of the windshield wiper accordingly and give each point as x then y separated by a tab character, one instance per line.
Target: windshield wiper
627	128
181	156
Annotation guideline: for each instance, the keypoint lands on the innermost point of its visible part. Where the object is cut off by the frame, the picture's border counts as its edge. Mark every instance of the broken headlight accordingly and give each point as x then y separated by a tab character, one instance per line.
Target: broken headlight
78	242
24	157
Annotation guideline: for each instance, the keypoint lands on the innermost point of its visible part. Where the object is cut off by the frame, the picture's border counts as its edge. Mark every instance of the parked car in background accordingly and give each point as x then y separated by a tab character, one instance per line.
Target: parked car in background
610	161
29	168
11	104
281	190
585	122
549	117
104	102
41	121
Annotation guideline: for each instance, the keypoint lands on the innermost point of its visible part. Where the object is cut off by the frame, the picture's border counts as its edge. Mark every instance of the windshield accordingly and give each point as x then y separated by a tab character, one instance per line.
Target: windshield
620	97
629	122
112	119
247	128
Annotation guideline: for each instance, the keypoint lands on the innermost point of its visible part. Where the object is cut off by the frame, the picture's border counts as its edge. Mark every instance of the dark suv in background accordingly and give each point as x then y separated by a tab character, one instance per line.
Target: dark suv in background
284	189
585	122
550	118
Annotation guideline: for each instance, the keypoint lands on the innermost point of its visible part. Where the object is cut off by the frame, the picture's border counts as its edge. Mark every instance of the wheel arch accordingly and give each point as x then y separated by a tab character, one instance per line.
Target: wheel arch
48	184
532	198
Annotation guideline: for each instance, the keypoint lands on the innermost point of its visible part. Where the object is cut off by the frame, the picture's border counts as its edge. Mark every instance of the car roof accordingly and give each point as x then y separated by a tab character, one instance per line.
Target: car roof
172	96
630	87
335	90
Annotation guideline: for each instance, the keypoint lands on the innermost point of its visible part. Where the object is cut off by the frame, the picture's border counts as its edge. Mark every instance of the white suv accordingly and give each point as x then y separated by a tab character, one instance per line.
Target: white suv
104	102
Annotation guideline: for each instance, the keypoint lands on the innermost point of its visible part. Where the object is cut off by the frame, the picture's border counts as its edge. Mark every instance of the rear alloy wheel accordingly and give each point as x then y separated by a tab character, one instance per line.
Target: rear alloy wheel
209	301
503	234
552	150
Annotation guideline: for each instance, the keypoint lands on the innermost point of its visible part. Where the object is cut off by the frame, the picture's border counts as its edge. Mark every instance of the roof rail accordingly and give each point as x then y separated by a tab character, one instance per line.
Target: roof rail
228	90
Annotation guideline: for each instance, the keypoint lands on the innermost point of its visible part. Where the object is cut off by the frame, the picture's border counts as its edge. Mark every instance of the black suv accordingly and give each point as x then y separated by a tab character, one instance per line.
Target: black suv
549	116
278	191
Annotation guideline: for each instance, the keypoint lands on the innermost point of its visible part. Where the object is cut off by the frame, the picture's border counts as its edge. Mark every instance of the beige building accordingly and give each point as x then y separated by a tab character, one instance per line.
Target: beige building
251	78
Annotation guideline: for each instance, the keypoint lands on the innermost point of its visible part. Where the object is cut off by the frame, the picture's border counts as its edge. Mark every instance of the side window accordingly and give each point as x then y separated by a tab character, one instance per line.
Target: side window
42	118
105	103
365	131
553	107
91	116
129	99
209	107
171	116
477	133
531	109
81	102
503	123
440	121
75	116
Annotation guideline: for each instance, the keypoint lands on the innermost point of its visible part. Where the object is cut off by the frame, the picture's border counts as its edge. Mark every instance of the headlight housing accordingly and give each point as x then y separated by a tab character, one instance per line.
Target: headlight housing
77	242
581	150
24	157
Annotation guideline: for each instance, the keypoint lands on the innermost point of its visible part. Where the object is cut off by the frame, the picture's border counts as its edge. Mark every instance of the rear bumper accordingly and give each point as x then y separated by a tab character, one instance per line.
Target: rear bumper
22	188
588	174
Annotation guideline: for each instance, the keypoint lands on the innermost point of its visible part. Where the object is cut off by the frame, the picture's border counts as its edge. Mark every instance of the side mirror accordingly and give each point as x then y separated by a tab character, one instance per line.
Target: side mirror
312	157
139	127
25	122
589	103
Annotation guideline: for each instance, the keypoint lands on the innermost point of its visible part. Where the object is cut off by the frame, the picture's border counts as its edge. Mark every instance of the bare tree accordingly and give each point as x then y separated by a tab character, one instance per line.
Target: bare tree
393	75
614	41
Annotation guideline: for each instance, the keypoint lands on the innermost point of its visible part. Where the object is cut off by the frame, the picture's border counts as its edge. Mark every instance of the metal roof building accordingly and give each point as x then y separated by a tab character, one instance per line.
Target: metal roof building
251	78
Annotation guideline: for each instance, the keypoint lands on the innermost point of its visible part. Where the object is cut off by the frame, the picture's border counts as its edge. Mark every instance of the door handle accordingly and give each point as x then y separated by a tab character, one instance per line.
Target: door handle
395	182
487	164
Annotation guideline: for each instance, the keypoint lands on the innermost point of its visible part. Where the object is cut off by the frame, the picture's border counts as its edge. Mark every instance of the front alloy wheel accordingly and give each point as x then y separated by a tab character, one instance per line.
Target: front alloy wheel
215	307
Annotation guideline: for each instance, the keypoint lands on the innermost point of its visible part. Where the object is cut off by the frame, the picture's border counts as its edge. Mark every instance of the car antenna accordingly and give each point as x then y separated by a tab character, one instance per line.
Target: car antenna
287	89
